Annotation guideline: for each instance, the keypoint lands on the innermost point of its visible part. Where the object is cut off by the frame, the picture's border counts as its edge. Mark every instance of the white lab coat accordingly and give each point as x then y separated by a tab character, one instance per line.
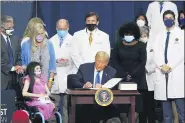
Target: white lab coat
155	18
60	82
150	67
83	52
175	86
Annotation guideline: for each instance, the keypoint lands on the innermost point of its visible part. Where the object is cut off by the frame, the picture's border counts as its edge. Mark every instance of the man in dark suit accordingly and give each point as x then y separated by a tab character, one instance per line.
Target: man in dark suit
94	75
10	54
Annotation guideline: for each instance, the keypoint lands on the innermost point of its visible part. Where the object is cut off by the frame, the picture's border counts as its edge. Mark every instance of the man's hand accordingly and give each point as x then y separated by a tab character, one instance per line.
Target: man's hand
49	85
19	69
165	68
98	86
87	85
128	78
62	60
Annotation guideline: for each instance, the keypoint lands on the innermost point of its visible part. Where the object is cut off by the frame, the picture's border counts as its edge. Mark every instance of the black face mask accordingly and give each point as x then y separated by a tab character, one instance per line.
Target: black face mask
91	27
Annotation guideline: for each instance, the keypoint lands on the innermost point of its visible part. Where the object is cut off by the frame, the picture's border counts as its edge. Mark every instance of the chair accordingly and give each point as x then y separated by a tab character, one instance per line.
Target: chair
35	115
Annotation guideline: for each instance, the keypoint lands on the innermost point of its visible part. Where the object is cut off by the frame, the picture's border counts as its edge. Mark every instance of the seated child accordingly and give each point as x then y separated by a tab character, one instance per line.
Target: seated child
36	88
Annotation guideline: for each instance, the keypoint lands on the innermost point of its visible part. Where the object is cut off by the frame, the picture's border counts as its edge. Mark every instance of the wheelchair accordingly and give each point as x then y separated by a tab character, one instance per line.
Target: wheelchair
20	102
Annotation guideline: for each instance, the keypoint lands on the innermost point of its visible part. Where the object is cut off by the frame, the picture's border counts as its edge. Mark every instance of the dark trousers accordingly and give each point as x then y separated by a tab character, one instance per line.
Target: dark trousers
168	113
148	108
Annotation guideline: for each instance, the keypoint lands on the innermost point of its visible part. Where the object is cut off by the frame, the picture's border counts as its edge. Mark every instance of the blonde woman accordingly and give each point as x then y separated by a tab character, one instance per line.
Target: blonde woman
31	23
38	48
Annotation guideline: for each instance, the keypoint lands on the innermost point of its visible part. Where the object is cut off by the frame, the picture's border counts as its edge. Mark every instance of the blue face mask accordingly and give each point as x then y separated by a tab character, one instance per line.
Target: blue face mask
128	38
169	23
182	21
62	33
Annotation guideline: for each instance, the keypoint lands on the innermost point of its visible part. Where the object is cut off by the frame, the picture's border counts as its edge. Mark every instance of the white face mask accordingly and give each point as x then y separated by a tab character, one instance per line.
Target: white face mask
9	31
140	23
145	39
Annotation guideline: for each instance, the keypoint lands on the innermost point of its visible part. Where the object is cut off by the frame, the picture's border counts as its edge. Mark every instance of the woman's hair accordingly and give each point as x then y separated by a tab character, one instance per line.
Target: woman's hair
144	30
180	12
146	20
131	29
34	31
30	72
30	25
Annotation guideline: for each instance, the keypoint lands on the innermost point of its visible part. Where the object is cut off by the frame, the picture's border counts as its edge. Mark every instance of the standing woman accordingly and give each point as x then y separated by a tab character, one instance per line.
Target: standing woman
129	59
181	19
39	49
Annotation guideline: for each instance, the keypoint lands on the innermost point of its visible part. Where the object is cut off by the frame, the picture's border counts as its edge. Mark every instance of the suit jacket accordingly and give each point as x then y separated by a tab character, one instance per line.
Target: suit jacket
5	67
86	74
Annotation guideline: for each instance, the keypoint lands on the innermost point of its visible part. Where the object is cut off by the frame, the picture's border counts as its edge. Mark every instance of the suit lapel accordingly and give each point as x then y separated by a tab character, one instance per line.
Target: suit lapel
4	45
104	76
92	74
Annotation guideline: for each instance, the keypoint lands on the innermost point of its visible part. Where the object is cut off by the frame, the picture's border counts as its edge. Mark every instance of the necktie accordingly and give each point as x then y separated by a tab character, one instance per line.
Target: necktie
166	47
10	52
161	6
97	79
61	42
90	38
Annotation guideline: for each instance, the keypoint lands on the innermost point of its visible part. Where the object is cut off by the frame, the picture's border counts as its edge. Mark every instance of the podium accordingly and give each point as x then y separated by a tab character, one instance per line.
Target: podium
88	97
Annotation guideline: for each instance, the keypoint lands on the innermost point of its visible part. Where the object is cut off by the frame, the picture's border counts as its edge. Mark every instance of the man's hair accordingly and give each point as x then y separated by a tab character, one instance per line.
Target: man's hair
101	54
169	12
6	19
90	14
67	22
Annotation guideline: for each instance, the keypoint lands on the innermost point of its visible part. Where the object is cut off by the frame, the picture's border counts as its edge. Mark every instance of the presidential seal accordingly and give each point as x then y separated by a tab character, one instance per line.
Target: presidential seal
104	96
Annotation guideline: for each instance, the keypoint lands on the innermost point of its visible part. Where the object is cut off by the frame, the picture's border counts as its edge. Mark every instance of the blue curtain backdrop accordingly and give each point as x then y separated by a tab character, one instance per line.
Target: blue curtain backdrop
112	14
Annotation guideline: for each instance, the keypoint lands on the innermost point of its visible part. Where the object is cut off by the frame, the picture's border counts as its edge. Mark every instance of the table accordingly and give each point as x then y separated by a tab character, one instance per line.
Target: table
88	97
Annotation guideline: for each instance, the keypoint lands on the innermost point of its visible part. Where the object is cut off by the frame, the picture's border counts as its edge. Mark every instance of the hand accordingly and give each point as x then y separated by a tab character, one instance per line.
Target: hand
17	67
62	60
165	68
128	78
98	86
49	84
20	70
87	85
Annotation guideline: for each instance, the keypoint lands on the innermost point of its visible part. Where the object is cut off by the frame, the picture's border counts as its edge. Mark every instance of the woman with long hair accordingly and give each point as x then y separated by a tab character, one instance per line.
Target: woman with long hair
35	87
38	48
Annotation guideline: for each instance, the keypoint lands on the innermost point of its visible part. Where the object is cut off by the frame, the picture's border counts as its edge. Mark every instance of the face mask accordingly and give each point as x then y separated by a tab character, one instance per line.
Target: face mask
145	39
9	31
182	21
39	38
129	38
91	27
62	33
38	73
140	23
169	23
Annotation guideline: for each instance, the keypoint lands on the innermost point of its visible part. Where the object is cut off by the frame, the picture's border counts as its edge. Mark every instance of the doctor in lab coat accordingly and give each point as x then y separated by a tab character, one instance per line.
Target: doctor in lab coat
154	15
169	58
87	42
62	42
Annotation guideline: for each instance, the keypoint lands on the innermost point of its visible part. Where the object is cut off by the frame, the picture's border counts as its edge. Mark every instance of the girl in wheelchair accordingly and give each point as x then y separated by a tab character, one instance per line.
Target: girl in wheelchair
35	87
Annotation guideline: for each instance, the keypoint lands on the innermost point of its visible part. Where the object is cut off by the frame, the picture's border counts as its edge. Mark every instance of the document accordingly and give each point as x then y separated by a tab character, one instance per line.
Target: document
111	83
44	100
